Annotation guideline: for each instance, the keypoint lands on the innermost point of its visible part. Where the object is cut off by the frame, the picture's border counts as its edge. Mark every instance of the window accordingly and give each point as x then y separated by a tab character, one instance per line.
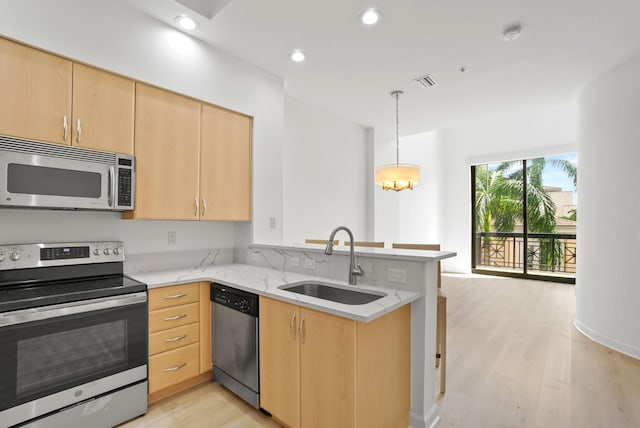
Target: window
524	218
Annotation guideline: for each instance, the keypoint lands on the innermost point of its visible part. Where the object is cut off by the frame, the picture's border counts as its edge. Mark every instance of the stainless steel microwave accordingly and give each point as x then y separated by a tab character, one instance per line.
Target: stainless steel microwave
41	175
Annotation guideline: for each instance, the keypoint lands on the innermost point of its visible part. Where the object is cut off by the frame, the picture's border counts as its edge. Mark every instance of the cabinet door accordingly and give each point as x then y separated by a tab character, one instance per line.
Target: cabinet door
35	89
167	141
327	370
103	103
225	165
205	328
280	360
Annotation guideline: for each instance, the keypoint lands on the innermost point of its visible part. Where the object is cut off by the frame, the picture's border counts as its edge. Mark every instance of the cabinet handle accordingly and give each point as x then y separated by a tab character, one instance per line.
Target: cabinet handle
175	296
177	317
175	339
300	329
65	126
292	329
204	206
197	206
175	368
79	134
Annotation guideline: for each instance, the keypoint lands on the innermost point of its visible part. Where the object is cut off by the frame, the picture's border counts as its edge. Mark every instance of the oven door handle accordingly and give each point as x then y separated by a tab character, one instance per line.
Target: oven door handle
64	309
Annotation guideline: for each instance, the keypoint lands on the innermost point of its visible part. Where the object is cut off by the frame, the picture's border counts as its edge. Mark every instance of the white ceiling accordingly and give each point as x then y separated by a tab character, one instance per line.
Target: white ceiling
351	69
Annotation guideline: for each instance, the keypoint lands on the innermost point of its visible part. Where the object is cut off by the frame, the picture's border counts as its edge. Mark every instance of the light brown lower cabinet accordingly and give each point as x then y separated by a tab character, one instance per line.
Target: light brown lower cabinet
179	338
321	370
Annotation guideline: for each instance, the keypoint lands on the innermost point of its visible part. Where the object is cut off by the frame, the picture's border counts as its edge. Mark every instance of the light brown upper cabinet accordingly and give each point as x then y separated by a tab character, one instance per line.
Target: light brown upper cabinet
49	98
167	144
35	88
193	159
103	106
225	165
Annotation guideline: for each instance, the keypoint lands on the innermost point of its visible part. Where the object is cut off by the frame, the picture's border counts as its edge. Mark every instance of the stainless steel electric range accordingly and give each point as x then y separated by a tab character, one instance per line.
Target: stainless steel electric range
73	336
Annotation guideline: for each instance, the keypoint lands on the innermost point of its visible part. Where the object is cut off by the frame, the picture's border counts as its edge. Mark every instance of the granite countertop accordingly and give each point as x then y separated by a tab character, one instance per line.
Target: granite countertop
265	282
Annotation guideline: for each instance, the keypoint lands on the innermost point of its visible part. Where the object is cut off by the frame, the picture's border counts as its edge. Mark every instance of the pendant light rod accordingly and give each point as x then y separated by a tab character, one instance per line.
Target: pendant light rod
397	94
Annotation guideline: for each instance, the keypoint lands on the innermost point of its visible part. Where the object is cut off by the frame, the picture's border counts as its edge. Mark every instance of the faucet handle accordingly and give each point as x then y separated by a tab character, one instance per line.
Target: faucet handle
357	270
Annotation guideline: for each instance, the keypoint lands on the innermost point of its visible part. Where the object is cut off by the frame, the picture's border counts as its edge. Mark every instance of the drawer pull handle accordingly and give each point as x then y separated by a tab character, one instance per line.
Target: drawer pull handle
301	329
176	368
175	339
177	317
175	296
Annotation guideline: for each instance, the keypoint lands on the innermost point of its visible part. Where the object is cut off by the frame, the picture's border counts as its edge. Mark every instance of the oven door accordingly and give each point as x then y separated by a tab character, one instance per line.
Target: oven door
56	355
33	180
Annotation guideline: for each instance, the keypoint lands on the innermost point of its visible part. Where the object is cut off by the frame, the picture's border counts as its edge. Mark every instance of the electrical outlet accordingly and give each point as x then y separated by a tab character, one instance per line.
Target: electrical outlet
294	261
310	264
397	275
171	238
272	222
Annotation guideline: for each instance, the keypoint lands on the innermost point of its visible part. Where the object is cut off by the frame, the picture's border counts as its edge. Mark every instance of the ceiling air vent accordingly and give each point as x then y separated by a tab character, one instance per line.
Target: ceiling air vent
427	81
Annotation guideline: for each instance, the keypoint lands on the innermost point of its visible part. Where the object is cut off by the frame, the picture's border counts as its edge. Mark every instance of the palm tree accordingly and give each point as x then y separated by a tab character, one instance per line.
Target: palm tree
499	201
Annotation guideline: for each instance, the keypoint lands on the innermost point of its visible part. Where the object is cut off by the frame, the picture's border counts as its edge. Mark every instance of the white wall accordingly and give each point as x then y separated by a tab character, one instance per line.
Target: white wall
607	286
411	216
420	209
325	174
115	37
519	135
139	236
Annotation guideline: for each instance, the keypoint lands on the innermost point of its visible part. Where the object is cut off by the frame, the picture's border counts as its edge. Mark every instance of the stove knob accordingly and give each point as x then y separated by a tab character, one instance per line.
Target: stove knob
117	251
96	252
15	256
107	251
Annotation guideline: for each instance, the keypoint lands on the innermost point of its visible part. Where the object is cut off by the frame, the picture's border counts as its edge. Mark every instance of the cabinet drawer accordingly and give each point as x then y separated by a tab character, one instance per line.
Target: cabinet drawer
165	297
175	366
163	319
173	338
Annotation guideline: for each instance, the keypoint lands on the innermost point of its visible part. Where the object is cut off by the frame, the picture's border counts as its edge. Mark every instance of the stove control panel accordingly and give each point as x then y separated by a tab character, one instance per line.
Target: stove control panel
24	256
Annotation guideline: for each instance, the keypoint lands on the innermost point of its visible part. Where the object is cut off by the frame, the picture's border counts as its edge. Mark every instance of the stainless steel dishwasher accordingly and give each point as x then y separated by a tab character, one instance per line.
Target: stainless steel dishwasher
235	341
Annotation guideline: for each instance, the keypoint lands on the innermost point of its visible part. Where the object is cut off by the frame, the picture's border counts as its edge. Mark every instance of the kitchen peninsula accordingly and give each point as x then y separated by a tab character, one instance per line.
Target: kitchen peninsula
405	276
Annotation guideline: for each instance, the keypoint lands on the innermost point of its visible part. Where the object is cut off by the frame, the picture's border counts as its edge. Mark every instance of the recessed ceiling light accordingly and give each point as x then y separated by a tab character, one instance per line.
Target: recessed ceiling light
511	33
186	22
370	16
297	56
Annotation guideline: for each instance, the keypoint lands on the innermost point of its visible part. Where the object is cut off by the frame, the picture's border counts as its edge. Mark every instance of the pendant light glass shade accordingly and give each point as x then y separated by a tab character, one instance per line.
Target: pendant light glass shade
398	176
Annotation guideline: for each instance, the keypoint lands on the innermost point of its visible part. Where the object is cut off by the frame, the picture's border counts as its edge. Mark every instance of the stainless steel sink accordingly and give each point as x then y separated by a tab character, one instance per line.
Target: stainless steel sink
333	293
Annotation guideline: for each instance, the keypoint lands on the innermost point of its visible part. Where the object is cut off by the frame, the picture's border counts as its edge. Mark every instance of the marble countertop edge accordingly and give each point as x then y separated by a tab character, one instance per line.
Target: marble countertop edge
383	253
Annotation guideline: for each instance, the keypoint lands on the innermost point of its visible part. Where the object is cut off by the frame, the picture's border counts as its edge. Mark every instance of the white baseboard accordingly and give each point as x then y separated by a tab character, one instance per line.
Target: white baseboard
623	348
429	420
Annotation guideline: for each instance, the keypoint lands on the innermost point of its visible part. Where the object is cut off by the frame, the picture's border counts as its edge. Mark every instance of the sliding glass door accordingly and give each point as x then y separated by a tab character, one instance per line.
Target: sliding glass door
524	218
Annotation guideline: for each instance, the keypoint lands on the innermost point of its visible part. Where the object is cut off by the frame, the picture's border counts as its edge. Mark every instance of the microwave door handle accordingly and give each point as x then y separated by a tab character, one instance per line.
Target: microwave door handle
112	186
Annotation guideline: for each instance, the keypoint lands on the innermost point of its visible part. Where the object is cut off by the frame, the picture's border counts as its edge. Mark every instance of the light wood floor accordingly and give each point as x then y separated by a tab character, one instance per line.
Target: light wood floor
514	360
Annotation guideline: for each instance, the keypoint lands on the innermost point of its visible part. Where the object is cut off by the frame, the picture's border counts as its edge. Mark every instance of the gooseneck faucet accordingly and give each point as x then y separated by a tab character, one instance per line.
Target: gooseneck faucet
354	270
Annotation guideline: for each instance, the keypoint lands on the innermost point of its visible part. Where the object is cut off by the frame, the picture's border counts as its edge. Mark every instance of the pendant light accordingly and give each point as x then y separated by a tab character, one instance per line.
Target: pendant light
398	176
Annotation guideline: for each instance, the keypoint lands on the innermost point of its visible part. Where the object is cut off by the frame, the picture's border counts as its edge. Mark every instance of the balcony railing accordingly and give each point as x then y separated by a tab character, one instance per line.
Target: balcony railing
546	253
